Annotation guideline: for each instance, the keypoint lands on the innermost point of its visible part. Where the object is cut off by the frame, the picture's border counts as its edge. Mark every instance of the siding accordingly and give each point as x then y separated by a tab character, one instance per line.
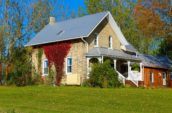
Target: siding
104	30
78	51
158	79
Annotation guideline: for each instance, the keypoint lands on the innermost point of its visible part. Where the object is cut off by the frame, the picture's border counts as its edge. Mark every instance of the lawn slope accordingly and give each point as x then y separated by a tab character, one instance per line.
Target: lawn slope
46	99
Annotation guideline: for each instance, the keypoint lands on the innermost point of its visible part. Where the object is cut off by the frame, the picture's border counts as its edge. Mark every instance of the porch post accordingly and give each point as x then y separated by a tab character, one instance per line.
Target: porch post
114	61
102	59
141	71
129	68
88	70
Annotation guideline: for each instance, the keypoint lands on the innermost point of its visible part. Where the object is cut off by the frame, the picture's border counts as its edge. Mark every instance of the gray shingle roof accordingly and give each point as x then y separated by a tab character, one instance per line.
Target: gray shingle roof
114	53
70	29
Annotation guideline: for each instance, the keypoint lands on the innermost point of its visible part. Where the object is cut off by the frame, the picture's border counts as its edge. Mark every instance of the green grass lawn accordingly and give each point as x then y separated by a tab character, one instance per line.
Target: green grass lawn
46	99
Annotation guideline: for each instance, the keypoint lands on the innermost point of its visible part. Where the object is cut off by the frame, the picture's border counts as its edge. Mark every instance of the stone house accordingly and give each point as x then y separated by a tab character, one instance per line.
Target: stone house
95	36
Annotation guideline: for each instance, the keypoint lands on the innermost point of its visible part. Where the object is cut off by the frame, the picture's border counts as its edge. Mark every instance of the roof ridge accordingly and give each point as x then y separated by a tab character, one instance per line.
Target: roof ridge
83	16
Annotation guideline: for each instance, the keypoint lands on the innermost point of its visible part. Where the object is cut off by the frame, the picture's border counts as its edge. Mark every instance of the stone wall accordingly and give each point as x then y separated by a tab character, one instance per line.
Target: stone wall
78	51
104	31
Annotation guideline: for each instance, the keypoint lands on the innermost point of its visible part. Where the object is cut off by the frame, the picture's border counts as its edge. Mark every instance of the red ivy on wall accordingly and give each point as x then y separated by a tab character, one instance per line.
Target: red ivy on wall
56	54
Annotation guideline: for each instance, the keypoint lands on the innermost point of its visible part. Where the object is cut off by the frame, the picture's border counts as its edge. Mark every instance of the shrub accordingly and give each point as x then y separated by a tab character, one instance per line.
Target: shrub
103	75
50	79
135	67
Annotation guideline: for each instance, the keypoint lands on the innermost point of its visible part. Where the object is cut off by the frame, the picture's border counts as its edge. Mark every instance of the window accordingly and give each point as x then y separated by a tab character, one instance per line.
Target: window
110	42
69	65
171	76
45	67
96	41
164	75
151	77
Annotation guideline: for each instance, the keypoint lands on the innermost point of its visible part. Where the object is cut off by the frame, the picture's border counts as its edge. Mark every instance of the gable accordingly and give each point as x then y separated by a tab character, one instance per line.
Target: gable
104	31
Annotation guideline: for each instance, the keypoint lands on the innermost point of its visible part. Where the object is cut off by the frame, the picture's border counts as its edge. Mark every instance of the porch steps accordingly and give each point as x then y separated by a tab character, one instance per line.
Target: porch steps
130	83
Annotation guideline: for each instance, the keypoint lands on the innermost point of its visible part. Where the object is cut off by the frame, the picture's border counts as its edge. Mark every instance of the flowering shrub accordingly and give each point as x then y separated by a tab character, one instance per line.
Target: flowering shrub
56	54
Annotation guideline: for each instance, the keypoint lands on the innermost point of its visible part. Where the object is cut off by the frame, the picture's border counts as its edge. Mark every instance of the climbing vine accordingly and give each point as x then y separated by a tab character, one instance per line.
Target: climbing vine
56	54
39	58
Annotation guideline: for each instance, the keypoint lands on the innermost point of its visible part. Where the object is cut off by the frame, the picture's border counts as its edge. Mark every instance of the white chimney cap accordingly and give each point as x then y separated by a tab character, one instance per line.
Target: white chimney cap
52	20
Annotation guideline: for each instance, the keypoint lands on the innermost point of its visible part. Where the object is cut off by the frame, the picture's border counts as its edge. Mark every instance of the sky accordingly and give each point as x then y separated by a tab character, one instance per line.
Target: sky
74	4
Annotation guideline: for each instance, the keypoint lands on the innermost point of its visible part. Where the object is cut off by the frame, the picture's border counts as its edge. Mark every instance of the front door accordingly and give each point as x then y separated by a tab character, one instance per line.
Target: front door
164	77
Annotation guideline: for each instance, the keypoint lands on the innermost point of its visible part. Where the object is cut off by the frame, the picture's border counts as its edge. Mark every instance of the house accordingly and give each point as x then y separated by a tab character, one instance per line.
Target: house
94	37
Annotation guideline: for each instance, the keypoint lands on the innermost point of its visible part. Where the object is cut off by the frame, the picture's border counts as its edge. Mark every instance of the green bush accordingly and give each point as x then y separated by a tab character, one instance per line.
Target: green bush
135	67
50	79
103	75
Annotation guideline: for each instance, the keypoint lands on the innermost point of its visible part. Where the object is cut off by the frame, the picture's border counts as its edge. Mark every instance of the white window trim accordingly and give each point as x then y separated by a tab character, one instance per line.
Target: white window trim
152	75
68	73
97	40
110	42
164	75
43	74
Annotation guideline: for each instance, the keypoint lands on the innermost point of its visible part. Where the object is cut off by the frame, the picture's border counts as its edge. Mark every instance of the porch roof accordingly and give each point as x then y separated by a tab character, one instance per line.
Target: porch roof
114	53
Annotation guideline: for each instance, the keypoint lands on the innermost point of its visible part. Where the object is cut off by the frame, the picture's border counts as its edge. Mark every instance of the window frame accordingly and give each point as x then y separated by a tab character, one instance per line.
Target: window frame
110	42
164	75
170	75
151	77
43	67
96	40
71	65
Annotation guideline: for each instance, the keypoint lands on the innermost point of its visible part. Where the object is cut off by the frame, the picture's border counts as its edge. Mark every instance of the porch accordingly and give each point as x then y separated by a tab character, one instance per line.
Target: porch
122	62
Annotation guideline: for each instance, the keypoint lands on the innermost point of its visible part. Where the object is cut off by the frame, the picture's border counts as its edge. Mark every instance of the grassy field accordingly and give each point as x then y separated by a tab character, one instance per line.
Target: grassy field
46	99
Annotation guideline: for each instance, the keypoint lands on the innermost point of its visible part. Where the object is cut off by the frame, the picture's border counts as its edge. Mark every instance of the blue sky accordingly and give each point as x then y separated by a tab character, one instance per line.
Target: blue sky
74	4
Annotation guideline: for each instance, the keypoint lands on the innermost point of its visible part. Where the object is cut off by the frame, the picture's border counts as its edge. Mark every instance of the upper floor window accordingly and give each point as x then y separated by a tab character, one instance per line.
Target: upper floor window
96	41
69	65
110	42
45	67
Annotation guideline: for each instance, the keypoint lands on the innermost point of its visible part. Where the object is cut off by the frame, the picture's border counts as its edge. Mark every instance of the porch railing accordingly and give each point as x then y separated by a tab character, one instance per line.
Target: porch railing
134	77
121	77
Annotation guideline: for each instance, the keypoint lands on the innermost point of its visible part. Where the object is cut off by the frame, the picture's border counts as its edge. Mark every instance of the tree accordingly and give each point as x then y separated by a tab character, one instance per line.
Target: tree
153	18
40	14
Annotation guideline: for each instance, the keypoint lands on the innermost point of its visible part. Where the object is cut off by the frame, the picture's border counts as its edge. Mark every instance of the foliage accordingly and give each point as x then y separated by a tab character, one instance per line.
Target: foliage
50	79
20	74
36	78
103	75
135	67
166	48
153	19
40	15
39	58
56	54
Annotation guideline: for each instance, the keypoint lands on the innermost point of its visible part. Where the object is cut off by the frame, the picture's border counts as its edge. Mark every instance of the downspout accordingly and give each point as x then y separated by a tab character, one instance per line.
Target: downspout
85	42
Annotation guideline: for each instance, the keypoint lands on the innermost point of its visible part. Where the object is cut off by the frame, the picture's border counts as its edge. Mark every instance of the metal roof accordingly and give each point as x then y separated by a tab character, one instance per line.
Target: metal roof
70	29
114	53
152	61
165	60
